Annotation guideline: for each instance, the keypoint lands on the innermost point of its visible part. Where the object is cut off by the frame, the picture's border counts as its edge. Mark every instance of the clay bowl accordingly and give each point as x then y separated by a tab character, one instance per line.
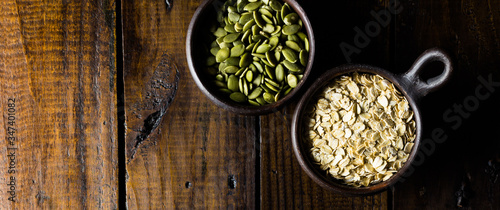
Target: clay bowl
196	58
409	83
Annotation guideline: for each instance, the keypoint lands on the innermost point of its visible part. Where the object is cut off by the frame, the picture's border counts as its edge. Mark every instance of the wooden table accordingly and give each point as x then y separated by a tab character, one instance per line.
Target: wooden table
100	111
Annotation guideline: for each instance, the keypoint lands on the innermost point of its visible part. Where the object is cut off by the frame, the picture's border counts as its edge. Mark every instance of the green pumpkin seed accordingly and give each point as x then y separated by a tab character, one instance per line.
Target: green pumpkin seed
271	87
255	93
246	36
225	90
293	37
237	50
250	46
303	57
275	5
277	31
222	55
261	100
253	103
293	45
258	19
222	66
232	83
245	87
230	28
231	69
233	61
264	34
266	12
240	5
245	17
292	80
269	98
220	40
234	17
252	6
289	55
231	9
306	44
258	66
211	61
256	45
269	72
220	32
267	19
238	97
240	85
266	89
302	35
263	48
273	41
214	50
246	60
277	96
291	18
273	83
249	76
258	56
279	19
219	77
285	9
271	58
293	67
214	44
248	25
231	37
220	84
238	27
268	28
226	44
280	73
257	79
277	55
291	29
240	72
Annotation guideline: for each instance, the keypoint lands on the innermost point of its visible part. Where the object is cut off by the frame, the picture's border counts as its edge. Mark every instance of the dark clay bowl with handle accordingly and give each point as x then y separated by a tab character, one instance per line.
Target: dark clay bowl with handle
409	84
196	60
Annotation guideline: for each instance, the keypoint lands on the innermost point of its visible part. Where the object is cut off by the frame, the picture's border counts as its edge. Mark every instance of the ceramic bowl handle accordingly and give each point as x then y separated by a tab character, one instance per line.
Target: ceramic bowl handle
422	88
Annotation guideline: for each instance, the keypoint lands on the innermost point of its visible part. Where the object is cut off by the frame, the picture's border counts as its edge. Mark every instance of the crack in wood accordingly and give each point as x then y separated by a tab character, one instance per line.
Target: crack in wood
159	92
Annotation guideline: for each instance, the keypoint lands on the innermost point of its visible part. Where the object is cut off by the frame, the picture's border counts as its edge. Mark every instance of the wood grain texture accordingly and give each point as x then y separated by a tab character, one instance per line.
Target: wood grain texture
458	173
199	156
57	62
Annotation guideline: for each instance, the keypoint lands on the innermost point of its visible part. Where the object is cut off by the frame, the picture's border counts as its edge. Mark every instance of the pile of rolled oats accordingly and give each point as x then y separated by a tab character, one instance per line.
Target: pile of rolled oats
360	129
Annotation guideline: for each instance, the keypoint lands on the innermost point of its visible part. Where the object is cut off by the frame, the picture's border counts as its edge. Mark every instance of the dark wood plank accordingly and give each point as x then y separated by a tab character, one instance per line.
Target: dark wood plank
461	171
283	183
197	155
57	62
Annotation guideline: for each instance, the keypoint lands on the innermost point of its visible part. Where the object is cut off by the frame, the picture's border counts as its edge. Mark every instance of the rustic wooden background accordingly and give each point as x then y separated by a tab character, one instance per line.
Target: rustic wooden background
108	116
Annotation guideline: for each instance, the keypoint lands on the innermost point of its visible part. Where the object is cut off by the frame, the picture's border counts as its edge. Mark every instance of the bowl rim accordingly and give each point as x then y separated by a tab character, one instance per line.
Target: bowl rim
227	103
322	178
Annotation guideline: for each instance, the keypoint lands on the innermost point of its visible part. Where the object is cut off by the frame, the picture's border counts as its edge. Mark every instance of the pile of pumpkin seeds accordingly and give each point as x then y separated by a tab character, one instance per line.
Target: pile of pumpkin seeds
259	52
360	129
